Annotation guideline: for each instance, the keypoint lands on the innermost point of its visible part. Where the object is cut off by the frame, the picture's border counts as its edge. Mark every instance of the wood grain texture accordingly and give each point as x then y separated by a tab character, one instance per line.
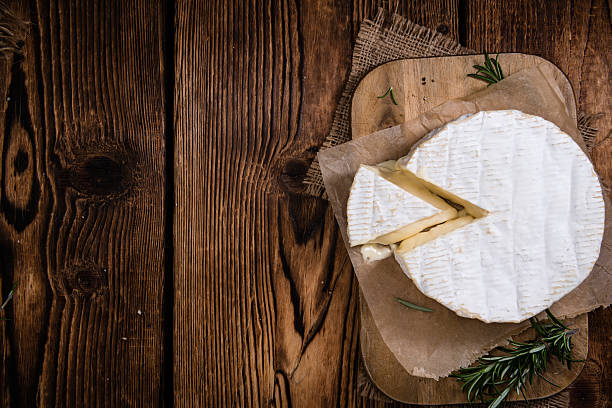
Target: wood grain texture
81	205
22	227
252	287
593	388
440	15
266	310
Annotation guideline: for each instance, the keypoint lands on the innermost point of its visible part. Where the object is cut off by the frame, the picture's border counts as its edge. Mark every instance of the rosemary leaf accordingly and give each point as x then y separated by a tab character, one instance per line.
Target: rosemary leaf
500	398
393	97
413	306
389	92
482	78
547	380
498	67
555	320
386	93
490	71
484	70
488	62
486	74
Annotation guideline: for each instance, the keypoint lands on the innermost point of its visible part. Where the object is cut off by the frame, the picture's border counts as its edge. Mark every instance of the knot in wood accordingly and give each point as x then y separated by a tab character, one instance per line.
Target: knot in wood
21	161
85	280
108	173
100	175
292	174
443	29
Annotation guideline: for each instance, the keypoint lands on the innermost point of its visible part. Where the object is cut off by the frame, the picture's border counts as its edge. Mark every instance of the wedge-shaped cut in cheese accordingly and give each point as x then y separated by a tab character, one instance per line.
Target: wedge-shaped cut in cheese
422	238
387	206
540	209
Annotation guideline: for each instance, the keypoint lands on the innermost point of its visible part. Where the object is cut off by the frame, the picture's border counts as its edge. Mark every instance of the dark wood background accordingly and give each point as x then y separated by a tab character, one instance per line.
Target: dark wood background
149	194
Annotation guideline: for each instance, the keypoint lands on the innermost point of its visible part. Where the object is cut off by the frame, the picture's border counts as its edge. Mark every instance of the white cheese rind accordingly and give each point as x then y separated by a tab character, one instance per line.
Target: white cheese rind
543	231
377	207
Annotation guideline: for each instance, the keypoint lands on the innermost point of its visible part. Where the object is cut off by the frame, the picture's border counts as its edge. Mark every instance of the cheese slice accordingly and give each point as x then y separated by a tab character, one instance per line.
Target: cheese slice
388	206
539	216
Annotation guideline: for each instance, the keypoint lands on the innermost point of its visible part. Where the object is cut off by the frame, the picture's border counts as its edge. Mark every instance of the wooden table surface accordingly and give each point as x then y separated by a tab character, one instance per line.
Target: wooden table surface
150	202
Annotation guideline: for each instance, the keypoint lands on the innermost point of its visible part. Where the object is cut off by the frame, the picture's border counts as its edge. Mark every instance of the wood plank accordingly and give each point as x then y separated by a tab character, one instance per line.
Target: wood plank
266	310
577	37
593	388
22	200
439	15
82	205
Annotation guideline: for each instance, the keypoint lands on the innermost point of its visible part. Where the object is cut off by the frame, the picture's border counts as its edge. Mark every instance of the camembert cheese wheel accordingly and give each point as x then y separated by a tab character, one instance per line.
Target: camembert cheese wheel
535	216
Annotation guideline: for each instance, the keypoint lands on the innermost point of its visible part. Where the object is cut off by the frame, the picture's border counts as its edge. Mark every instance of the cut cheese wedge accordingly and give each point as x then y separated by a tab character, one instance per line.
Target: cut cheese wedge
388	206
539	216
422	238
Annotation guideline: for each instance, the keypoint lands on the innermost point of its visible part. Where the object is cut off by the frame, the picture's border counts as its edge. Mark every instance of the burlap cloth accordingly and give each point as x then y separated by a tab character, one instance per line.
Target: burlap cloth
384	39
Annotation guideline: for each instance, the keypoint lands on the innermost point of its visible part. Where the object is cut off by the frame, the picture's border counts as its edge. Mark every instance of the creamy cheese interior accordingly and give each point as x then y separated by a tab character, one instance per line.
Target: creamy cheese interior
468	213
376	252
415	186
472	209
422	238
389	205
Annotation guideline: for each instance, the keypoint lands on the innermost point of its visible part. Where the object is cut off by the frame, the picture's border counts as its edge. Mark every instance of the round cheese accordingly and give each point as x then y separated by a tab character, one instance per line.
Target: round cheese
538	208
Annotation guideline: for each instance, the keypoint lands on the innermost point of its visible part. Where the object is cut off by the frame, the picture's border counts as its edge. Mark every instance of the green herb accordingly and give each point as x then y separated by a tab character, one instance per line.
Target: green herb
494	377
389	92
413	306
491	72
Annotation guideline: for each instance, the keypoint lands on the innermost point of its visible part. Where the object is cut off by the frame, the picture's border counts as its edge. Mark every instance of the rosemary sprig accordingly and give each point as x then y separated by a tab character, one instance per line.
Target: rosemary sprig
494	377
491	72
413	306
389	92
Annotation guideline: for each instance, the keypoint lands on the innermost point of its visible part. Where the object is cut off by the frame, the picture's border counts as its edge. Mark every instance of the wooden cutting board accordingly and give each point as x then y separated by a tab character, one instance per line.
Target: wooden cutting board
419	85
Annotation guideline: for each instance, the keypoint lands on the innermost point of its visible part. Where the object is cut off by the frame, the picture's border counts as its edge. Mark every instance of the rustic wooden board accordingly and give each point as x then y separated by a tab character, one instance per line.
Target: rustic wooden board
419	85
81	205
395	382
